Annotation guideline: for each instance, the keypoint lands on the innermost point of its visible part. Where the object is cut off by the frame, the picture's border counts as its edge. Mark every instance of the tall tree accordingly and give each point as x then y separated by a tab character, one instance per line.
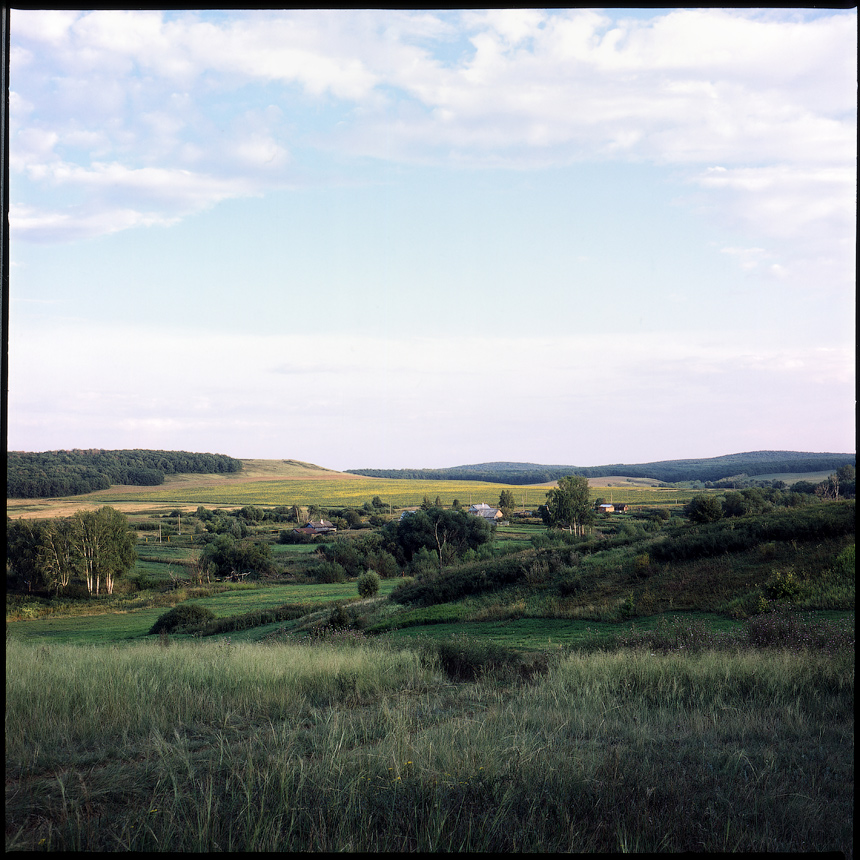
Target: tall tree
507	502
105	546
23	542
58	558
567	506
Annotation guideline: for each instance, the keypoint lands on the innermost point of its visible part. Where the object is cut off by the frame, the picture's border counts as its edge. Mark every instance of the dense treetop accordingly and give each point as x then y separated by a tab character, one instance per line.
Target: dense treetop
70	473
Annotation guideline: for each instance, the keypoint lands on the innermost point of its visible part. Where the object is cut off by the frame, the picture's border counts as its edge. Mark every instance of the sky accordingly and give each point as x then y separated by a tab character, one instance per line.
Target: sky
419	239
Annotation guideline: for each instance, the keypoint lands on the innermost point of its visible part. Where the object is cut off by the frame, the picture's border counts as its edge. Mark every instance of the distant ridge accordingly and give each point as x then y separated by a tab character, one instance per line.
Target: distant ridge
668	471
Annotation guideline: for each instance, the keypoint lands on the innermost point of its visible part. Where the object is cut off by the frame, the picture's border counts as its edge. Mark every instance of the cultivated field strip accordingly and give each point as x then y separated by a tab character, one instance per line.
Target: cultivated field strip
397	493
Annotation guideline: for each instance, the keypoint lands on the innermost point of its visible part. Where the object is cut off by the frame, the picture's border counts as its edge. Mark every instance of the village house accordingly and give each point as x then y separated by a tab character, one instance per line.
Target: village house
317	527
608	508
485	511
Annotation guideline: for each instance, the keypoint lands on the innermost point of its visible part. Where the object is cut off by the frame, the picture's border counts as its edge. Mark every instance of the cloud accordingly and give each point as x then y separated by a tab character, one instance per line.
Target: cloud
150	116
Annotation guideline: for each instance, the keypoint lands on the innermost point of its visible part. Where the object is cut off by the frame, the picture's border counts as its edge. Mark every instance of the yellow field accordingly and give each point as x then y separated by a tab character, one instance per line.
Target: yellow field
269	483
345	491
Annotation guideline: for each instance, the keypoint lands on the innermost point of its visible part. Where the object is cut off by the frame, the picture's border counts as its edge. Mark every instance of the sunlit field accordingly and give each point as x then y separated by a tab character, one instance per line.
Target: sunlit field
397	493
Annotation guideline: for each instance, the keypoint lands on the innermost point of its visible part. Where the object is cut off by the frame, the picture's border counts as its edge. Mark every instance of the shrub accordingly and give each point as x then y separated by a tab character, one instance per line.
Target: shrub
782	586
845	564
464	658
642	565
368	584
339	618
329	571
182	618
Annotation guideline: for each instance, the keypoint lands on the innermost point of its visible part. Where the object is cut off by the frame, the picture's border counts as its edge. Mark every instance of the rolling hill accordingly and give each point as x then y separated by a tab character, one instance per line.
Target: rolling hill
669	471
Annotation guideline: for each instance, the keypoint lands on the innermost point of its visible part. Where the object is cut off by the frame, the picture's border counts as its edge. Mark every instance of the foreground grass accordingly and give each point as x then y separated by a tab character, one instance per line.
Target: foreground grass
201	746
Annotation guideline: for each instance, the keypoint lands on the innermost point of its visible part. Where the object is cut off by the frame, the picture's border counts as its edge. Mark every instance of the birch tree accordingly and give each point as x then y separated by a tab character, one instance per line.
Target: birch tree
568	505
104	545
58	558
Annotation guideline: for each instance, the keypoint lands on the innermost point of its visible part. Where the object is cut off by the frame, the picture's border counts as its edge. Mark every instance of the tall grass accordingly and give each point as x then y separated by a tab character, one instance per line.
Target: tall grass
204	747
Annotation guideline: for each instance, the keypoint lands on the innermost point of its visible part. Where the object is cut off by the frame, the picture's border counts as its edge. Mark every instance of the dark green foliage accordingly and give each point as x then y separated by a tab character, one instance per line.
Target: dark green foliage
703	509
70	473
466	658
294	536
568	505
461	581
805	487
340	618
328	571
346	555
368	584
783	585
815	522
23	540
448	533
182	618
227	556
257	618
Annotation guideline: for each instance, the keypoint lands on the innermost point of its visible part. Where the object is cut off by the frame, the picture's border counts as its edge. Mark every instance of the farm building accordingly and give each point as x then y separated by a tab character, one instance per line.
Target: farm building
317	527
608	508
485	511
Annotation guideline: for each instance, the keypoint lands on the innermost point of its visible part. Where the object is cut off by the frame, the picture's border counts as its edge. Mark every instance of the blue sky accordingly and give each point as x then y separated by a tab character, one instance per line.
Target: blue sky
420	239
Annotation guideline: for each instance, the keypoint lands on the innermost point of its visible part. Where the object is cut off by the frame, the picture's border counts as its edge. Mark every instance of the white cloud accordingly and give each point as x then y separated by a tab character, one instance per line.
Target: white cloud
157	103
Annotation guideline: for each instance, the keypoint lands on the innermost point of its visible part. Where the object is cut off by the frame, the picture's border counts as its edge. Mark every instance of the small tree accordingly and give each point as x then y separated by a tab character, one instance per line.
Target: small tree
368	584
704	509
507	502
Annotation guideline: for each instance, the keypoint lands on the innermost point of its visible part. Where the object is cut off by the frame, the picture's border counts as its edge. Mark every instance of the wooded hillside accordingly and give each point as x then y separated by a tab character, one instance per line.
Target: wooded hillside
670	471
71	473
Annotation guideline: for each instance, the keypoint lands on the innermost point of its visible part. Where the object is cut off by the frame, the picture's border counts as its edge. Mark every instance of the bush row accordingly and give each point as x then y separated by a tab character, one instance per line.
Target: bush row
736	535
461	581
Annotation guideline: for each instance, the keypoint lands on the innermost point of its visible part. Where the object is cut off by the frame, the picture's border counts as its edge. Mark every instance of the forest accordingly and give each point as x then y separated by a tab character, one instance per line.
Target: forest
72	473
712	469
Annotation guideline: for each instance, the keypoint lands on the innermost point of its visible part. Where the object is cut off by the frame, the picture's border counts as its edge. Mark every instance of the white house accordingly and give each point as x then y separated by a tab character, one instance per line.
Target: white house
485	511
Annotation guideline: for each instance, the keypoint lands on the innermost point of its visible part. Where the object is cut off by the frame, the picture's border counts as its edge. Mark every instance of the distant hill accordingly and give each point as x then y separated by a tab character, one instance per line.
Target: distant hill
668	471
72	473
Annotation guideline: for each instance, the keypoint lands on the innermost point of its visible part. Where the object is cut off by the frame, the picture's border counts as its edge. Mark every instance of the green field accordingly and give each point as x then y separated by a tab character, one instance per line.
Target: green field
108	626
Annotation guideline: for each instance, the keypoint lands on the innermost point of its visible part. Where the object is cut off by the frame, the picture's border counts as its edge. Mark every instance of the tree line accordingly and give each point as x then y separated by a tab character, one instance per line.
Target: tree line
71	473
710	507
668	471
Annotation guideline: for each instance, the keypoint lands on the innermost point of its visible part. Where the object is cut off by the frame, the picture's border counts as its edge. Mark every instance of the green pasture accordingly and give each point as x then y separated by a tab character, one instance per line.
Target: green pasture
540	634
294	548
354	493
792	477
117	626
